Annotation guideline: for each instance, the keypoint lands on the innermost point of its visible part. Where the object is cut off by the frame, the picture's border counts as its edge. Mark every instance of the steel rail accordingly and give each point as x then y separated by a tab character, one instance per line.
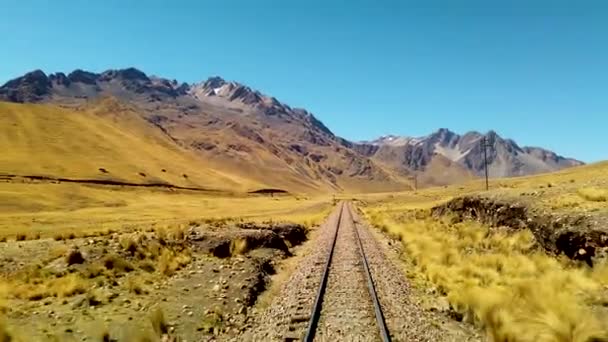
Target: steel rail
316	309
384	334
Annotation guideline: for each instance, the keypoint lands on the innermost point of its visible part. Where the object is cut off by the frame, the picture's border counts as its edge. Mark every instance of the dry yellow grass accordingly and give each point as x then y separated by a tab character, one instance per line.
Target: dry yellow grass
580	189
499	281
39	288
594	194
57	210
106	141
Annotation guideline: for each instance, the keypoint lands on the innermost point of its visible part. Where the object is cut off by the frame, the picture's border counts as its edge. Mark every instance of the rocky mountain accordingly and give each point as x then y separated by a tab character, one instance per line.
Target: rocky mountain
248	134
230	126
505	157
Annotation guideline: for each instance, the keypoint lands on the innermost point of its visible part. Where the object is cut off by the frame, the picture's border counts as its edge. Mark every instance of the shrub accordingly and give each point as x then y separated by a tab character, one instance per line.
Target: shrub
94	299
129	244
147	266
169	261
117	264
239	246
74	257
68	286
5	335
159	324
593	194
93	270
134	286
20	237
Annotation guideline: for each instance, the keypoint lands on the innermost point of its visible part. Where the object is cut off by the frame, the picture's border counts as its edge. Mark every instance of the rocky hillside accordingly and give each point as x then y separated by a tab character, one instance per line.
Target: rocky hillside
505	157
231	126
254	136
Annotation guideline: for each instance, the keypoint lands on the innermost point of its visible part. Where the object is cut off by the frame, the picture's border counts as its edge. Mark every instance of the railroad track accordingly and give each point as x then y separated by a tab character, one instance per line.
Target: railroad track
346	304
331	294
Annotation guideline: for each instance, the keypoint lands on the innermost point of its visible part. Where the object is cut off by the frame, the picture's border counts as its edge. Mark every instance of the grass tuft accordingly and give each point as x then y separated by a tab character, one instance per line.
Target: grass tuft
171	261
593	194
158	322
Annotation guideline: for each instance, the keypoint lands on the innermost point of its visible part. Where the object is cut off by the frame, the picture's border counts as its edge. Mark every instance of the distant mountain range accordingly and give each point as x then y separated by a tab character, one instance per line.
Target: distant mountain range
505	158
230	127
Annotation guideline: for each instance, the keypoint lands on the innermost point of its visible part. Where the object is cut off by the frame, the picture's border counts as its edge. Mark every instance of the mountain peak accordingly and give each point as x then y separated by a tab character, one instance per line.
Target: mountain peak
214	82
128	74
30	87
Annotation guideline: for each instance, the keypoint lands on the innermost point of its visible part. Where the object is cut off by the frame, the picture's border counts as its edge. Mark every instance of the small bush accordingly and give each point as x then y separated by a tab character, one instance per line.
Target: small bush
147	266
20	237
129	244
211	322
159	324
58	237
5	335
93	271
593	194
3	239
134	286
169	261
94	299
71	236
74	257
117	264
239	246
69	285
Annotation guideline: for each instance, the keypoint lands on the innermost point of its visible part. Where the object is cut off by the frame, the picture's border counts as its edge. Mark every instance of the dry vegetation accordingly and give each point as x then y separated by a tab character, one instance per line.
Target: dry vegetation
594	194
501	281
105	141
128	261
64	211
498	278
114	277
66	272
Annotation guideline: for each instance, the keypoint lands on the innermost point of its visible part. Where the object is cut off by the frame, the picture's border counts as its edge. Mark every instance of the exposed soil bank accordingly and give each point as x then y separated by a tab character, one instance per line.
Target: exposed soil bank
580	237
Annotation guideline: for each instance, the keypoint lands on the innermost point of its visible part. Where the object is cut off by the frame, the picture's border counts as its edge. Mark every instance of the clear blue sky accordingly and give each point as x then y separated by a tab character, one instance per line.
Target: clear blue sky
535	71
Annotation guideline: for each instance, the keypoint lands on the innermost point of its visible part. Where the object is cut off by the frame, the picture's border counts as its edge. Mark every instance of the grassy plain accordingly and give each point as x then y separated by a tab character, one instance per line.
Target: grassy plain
49	209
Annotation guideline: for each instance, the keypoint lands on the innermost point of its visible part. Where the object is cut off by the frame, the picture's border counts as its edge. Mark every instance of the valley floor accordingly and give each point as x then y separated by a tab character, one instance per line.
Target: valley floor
86	261
42	209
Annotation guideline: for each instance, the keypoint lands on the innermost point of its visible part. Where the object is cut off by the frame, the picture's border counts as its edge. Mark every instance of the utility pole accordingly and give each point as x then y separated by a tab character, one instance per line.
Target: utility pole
485	159
415	178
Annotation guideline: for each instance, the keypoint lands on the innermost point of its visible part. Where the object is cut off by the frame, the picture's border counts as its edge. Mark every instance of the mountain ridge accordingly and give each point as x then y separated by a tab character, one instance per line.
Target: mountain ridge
467	150
237	128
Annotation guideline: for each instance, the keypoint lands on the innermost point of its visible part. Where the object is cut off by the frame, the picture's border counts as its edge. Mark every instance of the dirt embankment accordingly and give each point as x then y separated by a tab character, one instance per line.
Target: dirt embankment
579	236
